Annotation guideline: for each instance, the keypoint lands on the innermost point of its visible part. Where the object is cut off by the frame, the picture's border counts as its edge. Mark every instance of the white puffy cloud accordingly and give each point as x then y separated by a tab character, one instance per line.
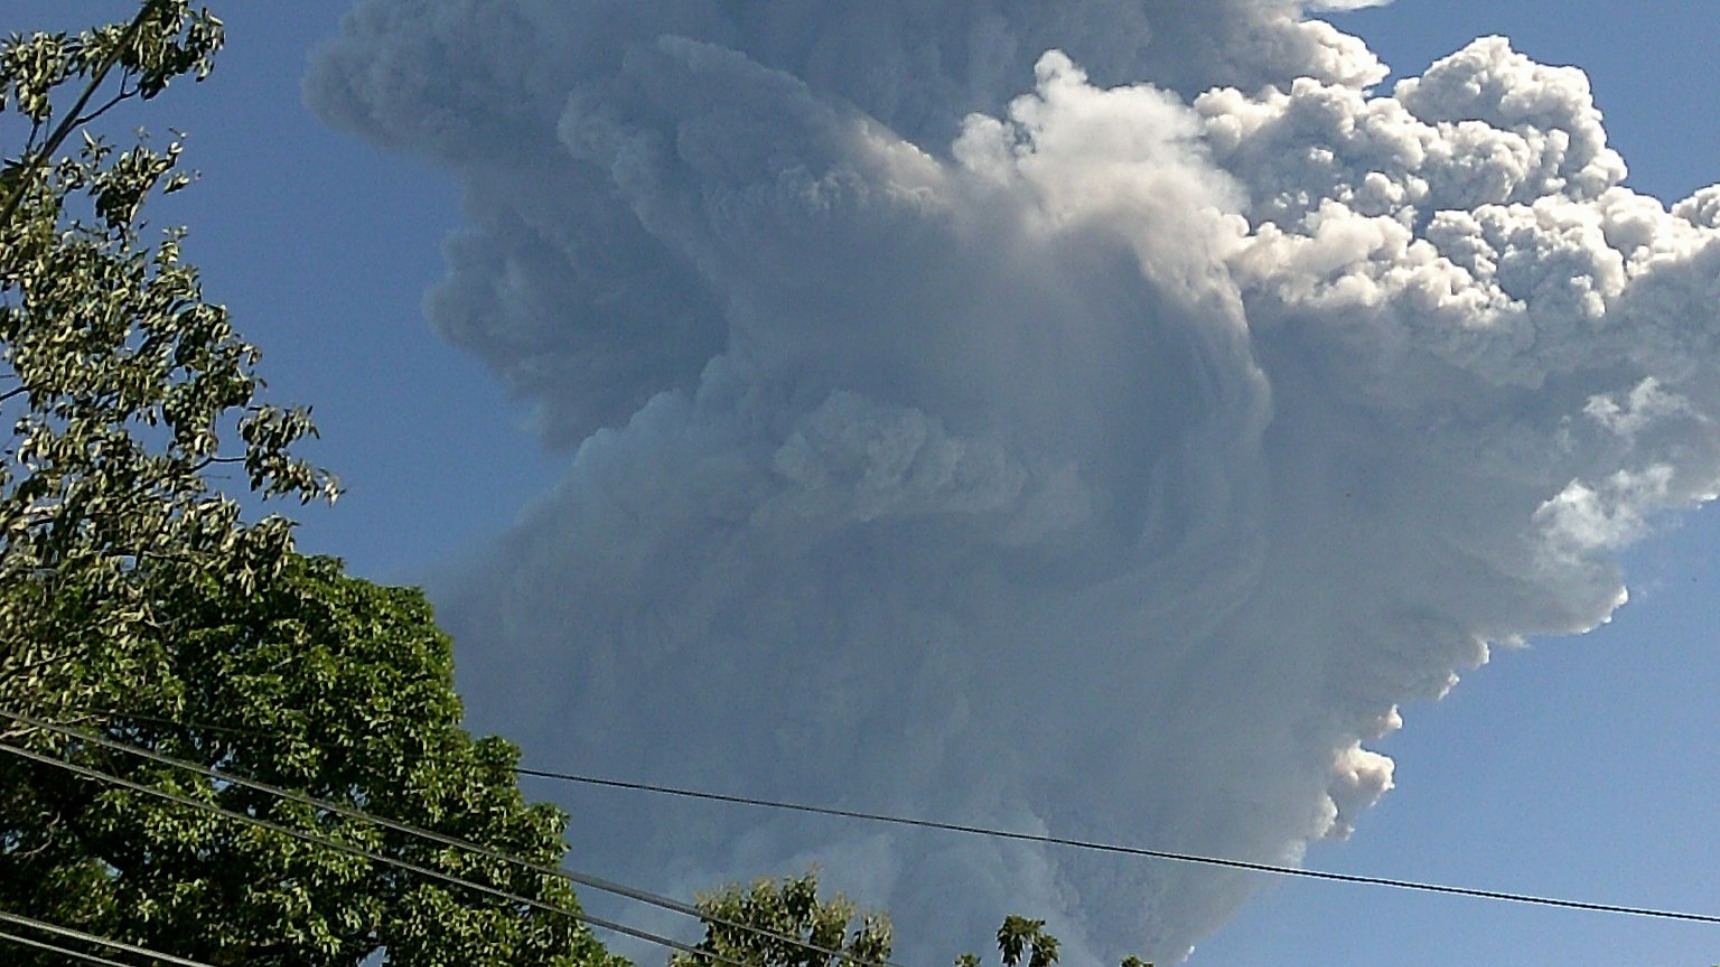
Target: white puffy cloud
1096	418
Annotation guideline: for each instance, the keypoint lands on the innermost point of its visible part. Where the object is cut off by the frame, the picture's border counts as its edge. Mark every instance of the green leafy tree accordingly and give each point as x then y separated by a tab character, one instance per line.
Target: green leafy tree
120	385
790	927
1018	937
137	601
785	924
317	682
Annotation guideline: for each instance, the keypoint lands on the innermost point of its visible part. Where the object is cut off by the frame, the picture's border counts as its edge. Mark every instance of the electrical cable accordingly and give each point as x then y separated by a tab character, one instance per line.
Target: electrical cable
596	883
17	920
1090	845
362	853
1080	844
62	951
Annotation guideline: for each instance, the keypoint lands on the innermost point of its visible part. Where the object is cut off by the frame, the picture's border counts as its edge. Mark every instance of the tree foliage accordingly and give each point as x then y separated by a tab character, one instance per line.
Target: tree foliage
791	927
316	682
138	601
785	924
120	385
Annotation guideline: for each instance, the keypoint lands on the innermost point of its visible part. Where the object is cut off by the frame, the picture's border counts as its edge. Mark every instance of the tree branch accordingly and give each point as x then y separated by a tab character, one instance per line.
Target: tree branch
65	128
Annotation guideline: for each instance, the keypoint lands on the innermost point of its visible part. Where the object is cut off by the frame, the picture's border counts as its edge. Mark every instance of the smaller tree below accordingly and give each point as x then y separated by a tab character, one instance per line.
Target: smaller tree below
808	932
785	924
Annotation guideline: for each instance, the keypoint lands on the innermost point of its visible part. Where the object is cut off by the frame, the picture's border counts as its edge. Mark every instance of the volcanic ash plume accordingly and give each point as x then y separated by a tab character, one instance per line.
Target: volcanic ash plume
1092	417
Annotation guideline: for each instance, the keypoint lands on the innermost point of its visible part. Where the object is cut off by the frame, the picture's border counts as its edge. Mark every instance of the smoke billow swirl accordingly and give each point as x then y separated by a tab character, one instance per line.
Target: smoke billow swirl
1091	417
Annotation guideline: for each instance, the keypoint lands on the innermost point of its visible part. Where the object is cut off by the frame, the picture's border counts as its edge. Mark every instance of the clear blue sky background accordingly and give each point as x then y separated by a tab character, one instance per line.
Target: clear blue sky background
1585	768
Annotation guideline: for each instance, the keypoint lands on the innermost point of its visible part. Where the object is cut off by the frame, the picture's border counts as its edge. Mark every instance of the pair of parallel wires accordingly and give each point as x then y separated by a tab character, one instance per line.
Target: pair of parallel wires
328	842
618	889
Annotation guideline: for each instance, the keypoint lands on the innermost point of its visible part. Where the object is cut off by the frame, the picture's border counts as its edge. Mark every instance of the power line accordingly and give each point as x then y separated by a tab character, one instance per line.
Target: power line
361	852
1071	843
1082	844
596	883
68	932
79	955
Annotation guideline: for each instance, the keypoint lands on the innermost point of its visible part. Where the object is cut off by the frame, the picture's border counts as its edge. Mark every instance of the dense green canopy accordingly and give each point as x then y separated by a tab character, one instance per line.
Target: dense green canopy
317	682
786	924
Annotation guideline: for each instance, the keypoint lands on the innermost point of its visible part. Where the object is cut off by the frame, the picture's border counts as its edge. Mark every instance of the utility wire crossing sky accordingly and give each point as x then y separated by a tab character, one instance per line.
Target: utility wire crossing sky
1291	871
681	907
224	777
327	842
69	934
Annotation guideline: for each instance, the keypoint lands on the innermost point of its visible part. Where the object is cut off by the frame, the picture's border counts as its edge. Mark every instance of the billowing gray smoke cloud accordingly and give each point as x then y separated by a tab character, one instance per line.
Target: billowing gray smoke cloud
1093	416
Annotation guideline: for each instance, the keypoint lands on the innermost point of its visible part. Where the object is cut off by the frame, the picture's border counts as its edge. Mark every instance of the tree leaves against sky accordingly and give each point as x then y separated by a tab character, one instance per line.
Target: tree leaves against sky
138	601
120	385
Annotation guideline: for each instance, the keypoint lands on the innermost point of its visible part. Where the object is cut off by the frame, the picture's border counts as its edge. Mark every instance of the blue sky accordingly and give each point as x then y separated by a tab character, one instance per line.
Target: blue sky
1582	768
